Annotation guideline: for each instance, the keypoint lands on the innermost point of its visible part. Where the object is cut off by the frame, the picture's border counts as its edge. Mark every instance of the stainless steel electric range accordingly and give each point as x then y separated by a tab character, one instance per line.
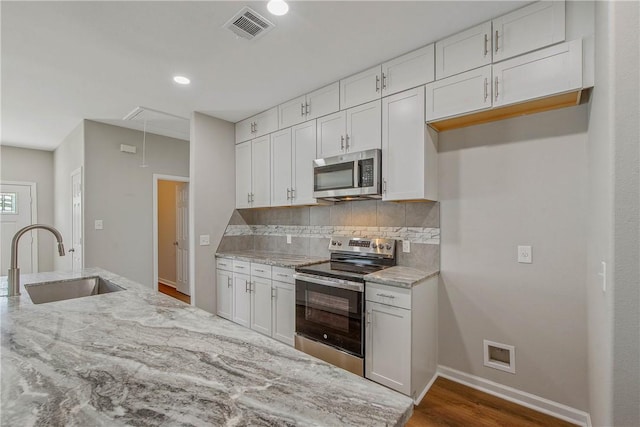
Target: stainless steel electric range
330	315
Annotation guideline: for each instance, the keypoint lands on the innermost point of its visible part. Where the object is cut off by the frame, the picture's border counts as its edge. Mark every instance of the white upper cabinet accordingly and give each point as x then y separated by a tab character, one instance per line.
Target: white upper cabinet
281	168
408	71
318	103
258	125
243	175
459	94
261	172
464	51
542	73
409	149
361	88
364	127
532	27
330	134
303	144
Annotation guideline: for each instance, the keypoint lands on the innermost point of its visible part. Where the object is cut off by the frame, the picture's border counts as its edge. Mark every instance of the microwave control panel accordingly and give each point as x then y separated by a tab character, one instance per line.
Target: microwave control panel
366	173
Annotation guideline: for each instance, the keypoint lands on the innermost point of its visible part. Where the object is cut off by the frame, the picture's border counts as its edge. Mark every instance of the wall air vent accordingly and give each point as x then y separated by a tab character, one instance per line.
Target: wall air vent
249	24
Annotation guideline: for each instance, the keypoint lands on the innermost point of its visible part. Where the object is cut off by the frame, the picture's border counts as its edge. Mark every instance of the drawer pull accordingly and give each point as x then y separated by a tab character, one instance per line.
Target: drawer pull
282	275
386	296
239	266
261	271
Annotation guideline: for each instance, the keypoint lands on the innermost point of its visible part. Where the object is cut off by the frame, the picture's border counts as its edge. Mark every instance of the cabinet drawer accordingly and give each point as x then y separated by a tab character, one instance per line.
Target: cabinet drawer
389	295
282	274
243	267
224	264
261	270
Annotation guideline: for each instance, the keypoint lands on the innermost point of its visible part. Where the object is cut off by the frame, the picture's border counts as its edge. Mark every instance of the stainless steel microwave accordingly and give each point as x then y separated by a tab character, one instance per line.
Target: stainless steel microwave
348	176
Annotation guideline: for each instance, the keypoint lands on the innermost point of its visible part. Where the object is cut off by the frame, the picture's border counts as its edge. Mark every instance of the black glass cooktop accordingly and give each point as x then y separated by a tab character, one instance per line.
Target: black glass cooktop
341	270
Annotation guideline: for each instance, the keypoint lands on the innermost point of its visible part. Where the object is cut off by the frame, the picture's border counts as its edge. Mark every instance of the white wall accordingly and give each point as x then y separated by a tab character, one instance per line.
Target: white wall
23	164
520	181
120	192
212	192
167	231
68	157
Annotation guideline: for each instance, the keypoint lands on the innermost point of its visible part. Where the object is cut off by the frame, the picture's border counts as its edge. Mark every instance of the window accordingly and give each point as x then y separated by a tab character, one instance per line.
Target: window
8	203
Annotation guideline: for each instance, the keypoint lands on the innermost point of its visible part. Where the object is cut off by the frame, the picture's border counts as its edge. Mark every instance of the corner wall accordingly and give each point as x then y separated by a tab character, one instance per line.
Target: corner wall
212	194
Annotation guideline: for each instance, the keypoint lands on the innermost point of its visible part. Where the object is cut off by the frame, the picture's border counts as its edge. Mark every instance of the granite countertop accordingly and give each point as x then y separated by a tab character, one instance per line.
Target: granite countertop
272	258
403	277
138	357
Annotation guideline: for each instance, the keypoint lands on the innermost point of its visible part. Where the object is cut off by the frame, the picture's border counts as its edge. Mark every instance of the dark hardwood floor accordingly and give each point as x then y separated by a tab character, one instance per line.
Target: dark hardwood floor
172	292
454	405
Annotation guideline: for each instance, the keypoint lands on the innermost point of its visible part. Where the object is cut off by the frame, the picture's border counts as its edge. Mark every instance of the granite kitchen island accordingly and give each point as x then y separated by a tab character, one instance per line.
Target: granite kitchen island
137	357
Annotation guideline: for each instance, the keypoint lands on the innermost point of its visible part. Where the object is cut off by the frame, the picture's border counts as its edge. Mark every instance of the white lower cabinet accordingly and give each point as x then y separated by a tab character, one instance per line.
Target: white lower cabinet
248	296
401	336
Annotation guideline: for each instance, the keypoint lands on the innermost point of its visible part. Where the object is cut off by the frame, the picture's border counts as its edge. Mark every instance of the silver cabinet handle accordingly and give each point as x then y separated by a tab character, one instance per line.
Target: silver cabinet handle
342	142
282	275
293	193
307	108
496	40
386	296
246	286
302	109
486	89
261	271
274	292
255	127
496	88
252	199
384	185
384	81
369	317
377	83
248	197
486	44
288	193
229	282
347	142
240	267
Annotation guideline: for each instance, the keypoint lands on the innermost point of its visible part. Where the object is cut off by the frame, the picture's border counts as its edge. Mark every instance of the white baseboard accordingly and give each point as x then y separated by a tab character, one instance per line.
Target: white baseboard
166	282
426	389
523	398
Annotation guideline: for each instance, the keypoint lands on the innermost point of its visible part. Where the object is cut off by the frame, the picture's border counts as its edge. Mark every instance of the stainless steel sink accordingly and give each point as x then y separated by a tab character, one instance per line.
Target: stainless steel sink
67	289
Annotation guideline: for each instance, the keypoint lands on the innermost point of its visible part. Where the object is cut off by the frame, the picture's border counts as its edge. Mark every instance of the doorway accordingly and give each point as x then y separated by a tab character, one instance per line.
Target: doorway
18	208
171	236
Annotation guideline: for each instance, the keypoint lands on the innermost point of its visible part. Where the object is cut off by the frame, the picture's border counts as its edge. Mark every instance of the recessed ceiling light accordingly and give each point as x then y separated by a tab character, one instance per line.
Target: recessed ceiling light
181	80
278	7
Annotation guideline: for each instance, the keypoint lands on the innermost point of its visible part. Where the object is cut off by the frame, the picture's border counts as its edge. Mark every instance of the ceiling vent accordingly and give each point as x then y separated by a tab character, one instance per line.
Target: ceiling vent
249	24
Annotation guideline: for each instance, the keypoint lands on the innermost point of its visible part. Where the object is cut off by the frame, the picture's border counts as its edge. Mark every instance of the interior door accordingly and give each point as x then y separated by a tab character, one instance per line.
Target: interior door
182	238
15	213
76	221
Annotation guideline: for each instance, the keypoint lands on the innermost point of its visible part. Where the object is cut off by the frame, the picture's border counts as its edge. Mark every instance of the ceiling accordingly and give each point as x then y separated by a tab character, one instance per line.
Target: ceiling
67	61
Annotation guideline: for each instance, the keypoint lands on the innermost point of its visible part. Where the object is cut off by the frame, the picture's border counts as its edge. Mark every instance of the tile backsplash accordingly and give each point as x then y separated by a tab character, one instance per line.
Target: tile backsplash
311	226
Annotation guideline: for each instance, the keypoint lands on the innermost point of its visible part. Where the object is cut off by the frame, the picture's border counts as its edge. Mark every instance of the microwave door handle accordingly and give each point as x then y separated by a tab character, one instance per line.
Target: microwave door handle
356	174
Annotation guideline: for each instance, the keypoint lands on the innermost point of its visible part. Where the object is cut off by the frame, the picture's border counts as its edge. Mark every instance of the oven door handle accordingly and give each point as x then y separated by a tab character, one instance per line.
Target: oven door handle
335	283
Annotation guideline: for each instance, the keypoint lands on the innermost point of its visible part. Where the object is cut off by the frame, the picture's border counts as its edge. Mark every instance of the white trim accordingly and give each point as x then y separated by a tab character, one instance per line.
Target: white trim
167	282
78	171
426	389
159	177
523	398
33	190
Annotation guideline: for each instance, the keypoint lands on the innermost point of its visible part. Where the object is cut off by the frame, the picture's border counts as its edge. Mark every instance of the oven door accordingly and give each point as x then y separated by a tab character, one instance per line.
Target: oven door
330	314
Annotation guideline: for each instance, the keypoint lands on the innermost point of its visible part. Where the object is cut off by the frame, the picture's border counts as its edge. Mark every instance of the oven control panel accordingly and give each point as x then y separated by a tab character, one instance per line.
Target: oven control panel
363	245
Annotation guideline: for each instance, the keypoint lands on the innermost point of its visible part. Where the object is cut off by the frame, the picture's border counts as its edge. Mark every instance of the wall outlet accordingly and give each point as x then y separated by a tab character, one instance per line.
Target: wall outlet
204	240
406	246
288	239
98	224
524	255
603	275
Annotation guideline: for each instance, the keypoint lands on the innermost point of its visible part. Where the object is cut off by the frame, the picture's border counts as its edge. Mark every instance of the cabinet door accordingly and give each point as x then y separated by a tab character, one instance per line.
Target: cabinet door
303	151
330	134
292	112
243	175
241	299
224	294
459	94
360	88
407	71
265	122
281	168
284	312
244	130
261	171
464	51
323	101
261	305
409	163
532	27
364	127
550	71
388	346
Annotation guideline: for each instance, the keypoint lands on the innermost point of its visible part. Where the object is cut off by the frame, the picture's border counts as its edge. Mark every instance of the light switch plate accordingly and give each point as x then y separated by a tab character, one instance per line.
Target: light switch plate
406	246
524	255
288	239
98	224
204	240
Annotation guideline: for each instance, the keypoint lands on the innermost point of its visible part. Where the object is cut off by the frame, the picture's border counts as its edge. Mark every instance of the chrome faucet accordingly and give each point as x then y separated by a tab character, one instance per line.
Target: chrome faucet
14	272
